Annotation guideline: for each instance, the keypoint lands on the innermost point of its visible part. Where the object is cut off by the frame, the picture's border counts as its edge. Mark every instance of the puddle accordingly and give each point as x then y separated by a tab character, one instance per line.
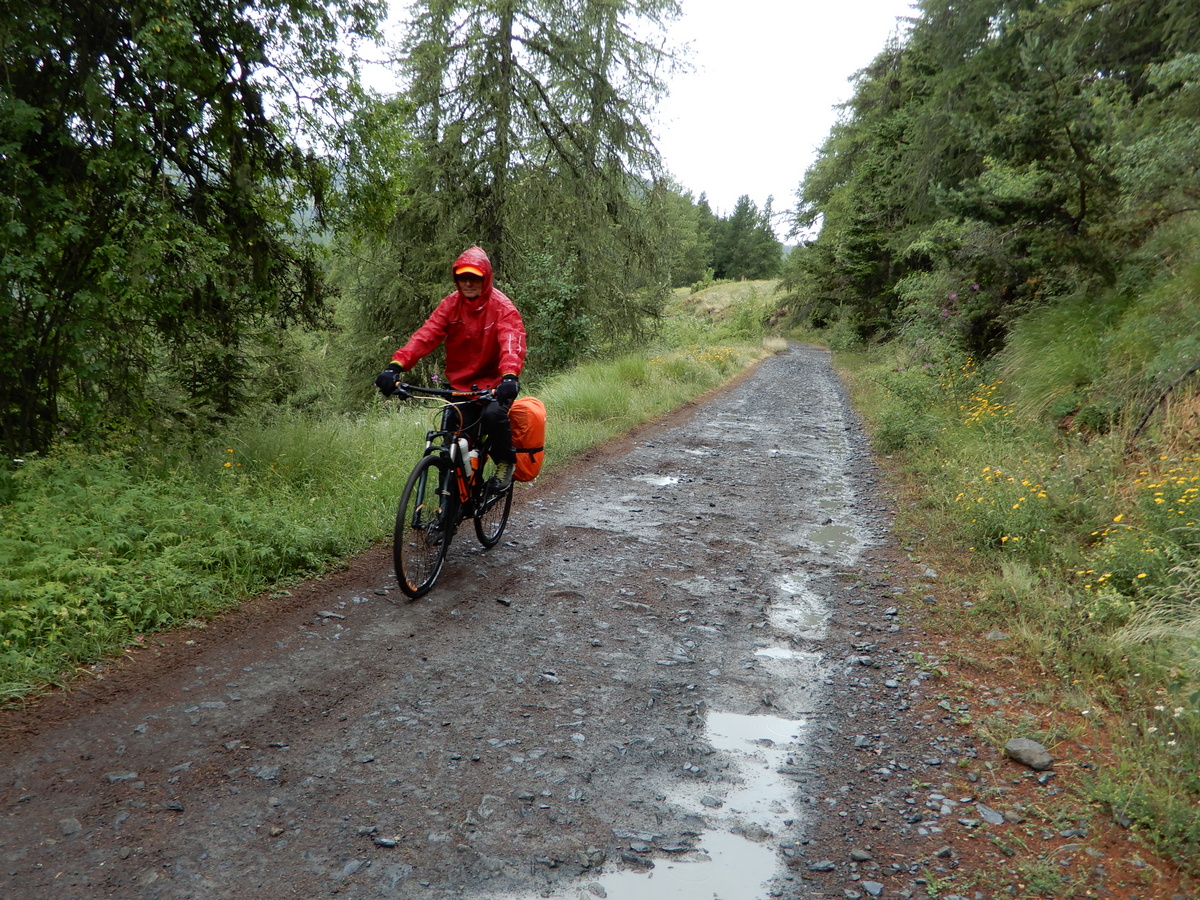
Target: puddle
787	654
658	480
760	746
782	653
836	537
800	620
753	735
723	864
798	611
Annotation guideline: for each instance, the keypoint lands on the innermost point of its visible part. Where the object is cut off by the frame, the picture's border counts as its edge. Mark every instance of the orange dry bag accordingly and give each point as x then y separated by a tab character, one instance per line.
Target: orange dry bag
528	417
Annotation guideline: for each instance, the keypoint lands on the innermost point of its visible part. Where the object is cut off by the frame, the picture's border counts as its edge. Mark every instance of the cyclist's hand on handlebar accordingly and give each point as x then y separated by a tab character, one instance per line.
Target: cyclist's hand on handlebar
506	391
387	380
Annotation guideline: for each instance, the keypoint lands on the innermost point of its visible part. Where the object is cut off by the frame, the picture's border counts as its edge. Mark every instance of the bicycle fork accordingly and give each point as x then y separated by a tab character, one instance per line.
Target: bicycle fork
444	495
463	460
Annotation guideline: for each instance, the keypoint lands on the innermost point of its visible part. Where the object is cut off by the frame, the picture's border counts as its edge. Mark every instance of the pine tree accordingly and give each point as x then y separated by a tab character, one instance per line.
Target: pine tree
531	120
988	163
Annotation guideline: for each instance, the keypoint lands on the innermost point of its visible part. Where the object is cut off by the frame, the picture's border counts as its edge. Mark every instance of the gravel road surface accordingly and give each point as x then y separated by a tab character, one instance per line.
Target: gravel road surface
683	674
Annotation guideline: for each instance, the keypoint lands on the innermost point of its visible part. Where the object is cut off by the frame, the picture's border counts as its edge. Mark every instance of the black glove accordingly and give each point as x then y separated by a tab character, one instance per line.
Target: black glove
387	379
506	391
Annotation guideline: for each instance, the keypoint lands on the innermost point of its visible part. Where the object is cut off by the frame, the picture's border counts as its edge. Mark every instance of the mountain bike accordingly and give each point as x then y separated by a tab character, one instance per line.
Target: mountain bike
453	481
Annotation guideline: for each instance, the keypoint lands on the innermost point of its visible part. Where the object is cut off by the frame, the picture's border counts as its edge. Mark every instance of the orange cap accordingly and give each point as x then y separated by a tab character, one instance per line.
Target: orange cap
469	270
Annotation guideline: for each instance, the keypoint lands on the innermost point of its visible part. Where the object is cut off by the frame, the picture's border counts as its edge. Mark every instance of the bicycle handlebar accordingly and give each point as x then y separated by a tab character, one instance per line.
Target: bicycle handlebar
404	391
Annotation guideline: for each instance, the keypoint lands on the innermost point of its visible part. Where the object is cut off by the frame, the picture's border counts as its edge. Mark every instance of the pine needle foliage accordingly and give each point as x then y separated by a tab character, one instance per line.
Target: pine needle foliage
532	134
162	192
1002	157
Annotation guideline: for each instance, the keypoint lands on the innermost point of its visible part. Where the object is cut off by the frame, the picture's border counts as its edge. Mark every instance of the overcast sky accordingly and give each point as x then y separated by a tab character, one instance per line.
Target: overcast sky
768	76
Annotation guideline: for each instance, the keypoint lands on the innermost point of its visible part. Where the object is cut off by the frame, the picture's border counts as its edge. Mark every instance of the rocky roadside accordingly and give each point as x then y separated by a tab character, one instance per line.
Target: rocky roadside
915	802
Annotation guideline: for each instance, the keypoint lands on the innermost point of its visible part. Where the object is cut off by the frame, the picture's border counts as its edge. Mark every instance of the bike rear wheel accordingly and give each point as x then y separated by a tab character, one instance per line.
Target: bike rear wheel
424	526
491	511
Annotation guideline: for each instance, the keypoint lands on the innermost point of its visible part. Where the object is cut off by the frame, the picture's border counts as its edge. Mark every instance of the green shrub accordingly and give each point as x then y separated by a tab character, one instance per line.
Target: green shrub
98	548
845	335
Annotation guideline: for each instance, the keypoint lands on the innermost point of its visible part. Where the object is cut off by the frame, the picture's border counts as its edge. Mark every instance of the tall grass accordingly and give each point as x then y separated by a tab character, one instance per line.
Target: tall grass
96	549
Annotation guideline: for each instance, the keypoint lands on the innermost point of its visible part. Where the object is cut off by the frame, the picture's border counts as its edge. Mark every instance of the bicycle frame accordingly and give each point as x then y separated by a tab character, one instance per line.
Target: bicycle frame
456	445
451	466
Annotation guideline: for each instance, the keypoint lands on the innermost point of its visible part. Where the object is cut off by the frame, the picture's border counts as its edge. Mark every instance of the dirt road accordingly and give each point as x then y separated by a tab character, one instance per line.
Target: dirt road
682	674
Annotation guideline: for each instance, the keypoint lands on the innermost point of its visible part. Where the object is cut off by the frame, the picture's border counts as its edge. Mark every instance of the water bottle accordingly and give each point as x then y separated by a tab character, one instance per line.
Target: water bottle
474	457
462	449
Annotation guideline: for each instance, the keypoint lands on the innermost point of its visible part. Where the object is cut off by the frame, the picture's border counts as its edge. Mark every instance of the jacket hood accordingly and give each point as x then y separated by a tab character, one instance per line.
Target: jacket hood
474	256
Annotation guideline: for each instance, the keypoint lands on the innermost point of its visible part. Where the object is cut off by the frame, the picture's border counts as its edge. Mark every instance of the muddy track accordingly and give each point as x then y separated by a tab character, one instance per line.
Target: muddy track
667	681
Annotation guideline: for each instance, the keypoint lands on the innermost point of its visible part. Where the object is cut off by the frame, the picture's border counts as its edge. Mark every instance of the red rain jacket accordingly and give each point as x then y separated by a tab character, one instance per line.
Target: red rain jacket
485	338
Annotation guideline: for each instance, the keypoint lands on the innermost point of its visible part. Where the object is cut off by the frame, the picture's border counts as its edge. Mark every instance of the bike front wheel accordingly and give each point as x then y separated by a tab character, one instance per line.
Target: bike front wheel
424	526
491	511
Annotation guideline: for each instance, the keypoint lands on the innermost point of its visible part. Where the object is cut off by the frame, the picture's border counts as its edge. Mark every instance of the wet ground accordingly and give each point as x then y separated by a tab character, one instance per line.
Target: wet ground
684	673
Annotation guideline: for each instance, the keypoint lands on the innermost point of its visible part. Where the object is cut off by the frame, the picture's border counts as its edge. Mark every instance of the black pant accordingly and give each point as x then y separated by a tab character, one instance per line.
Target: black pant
488	422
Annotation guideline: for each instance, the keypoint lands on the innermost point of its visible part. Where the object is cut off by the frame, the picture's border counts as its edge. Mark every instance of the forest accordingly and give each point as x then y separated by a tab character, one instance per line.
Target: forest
1006	158
1008	263
191	188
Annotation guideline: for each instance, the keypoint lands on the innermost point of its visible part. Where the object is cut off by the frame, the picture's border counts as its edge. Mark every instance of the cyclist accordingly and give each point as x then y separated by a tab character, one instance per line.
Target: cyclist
485	348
